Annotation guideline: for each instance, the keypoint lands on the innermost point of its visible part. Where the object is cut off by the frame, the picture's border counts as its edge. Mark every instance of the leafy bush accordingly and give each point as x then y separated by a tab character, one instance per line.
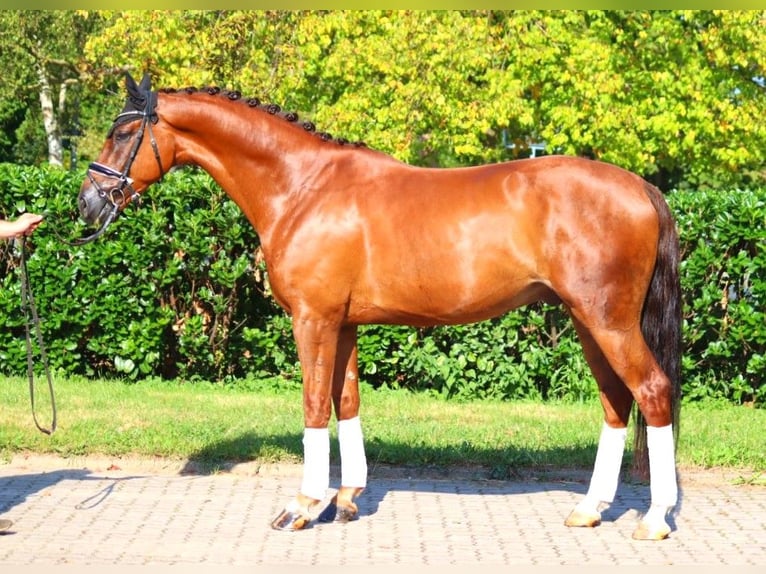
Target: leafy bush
531	353
177	289
173	289
723	275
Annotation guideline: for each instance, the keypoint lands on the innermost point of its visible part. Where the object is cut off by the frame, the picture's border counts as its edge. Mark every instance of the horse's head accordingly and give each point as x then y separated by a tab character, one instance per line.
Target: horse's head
127	164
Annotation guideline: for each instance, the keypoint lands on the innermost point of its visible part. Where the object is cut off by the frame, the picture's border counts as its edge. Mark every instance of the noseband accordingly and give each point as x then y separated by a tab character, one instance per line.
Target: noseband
123	192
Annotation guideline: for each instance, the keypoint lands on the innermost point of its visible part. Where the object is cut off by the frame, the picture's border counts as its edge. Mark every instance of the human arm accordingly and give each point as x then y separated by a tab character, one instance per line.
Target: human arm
25	224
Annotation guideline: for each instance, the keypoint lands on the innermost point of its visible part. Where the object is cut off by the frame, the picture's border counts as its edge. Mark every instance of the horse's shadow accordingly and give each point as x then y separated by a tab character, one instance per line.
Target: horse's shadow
502	478
477	483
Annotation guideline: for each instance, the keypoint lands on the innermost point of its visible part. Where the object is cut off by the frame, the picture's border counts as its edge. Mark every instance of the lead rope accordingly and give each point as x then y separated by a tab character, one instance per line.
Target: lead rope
29	309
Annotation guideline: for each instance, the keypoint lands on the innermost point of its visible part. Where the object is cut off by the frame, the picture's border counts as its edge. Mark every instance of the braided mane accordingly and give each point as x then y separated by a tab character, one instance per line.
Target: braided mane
270	108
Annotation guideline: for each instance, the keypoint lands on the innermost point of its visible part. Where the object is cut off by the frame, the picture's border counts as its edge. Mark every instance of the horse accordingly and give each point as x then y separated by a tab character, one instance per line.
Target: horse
352	236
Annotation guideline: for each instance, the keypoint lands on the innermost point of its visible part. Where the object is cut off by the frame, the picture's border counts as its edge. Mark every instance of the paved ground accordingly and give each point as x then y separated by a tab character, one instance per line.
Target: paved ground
100	512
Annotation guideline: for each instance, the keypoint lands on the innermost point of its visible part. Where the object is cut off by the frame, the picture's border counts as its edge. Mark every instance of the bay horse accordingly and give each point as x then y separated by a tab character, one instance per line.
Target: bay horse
352	236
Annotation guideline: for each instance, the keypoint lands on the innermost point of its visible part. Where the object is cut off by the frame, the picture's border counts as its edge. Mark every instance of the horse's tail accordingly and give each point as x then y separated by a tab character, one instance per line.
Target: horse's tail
661	323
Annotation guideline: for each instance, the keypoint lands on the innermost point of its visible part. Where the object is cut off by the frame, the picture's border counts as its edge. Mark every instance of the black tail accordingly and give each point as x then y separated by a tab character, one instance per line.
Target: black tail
661	323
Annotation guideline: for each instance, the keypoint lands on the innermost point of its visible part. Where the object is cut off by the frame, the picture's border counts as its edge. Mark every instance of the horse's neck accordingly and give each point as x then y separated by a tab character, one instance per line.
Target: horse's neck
251	154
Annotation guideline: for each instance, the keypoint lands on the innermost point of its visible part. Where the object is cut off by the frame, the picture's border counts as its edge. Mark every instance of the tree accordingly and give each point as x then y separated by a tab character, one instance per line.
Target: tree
672	95
669	94
40	53
410	83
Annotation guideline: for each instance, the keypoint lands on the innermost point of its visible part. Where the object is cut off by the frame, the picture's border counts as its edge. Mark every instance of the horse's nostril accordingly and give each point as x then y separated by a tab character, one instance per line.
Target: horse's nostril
83	205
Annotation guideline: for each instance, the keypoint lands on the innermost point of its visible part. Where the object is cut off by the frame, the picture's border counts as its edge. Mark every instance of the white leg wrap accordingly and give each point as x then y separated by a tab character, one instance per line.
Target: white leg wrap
662	466
606	471
353	462
316	463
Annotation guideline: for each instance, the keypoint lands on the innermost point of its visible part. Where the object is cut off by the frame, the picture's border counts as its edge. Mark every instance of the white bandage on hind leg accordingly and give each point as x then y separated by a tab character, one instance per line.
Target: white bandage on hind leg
316	463
662	466
353	462
606	470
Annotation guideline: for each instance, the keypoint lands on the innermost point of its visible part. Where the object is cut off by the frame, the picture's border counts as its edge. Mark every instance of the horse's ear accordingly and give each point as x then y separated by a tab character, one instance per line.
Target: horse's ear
130	83
140	97
138	91
146	83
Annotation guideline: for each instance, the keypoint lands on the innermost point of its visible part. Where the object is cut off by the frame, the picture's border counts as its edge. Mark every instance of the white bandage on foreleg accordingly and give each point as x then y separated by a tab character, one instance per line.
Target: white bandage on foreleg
662	466
316	463
606	470
353	462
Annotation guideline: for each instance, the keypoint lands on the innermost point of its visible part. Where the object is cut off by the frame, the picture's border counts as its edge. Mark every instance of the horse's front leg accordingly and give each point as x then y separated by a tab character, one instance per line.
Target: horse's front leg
345	397
317	342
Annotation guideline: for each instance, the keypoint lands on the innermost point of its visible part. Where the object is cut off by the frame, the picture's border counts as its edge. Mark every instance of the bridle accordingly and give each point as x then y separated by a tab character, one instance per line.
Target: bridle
123	192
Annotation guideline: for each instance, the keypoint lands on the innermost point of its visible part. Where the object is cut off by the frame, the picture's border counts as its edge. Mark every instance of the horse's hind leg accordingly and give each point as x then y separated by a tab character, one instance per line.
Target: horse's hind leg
617	401
629	357
345	396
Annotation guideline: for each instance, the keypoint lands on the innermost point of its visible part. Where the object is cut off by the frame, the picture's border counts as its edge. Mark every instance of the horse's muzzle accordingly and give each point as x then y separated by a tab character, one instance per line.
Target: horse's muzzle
94	207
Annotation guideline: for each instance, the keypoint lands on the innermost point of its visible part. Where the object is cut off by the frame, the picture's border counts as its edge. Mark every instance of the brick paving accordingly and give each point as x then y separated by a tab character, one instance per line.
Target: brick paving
100	513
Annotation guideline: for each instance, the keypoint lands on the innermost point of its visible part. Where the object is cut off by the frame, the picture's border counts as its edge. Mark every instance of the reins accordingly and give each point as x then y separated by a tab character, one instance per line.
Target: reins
31	317
116	197
93	236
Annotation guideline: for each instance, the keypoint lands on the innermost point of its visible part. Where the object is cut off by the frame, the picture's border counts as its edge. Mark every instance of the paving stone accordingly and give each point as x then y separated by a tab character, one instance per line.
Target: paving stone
97	514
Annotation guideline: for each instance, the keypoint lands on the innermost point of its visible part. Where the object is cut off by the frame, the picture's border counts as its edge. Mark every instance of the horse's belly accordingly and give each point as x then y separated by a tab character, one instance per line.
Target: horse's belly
444	303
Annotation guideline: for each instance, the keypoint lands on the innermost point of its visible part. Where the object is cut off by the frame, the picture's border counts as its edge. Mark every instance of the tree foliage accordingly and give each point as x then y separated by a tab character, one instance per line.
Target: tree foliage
676	96
41	58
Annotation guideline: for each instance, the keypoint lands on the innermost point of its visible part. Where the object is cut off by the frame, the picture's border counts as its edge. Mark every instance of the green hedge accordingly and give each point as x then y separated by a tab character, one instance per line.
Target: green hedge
173	289
177	289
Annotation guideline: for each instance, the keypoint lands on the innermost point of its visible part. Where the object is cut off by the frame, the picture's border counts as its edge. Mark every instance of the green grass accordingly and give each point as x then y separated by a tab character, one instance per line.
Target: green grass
263	422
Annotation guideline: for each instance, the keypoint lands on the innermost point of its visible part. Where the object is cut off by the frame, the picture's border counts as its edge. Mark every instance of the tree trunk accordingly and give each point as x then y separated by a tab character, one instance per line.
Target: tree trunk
52	132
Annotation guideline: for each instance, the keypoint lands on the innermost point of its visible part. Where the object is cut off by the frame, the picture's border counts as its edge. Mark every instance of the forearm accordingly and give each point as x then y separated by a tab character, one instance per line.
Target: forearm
9	229
25	224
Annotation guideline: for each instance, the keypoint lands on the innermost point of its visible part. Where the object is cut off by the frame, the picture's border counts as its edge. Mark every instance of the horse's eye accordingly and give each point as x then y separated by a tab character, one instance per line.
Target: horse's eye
122	136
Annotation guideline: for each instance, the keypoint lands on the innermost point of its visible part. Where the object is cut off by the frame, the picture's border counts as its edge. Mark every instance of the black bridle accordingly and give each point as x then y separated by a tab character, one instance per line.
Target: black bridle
123	192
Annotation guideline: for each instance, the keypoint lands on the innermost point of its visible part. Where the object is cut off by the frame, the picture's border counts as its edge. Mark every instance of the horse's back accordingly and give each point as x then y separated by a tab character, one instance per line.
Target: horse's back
466	244
540	190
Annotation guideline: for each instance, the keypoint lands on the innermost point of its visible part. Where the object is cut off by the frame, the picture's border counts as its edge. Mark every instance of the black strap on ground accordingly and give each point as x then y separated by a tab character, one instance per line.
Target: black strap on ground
31	318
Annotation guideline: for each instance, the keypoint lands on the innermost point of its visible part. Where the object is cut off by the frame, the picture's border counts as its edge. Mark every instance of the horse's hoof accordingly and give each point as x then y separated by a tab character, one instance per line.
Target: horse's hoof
346	514
646	531
290	520
653	525
335	513
583	518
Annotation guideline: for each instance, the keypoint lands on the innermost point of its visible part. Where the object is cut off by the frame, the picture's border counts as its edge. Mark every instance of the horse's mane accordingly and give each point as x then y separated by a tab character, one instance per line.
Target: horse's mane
270	108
